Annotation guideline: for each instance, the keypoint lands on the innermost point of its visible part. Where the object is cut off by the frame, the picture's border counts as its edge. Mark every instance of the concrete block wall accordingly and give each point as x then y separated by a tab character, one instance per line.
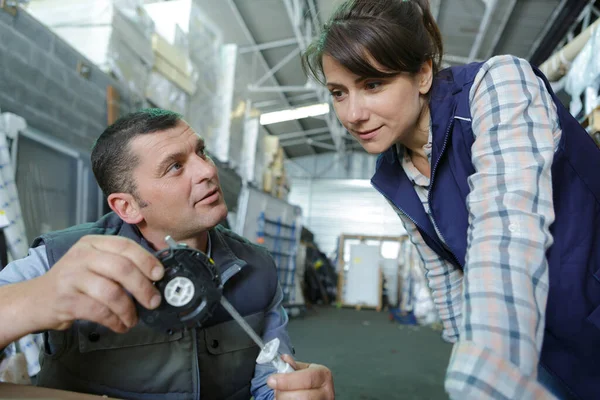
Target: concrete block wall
39	81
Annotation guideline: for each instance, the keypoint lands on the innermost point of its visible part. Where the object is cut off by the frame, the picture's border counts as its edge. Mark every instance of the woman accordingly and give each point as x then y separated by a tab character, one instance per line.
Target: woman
494	182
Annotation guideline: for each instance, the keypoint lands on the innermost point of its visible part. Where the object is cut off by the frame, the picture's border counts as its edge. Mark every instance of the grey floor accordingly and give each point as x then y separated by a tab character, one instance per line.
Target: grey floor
371	357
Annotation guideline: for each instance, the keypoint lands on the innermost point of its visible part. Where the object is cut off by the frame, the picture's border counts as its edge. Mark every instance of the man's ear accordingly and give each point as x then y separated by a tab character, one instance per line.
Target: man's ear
426	77
126	207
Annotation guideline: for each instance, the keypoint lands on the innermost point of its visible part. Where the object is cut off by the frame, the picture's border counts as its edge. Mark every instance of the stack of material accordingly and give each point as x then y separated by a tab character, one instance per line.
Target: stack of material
173	77
212	60
583	79
116	35
274	177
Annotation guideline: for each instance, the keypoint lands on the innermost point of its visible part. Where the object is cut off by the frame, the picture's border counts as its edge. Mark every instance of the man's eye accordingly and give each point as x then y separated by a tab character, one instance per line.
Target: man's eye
201	151
175	167
373	85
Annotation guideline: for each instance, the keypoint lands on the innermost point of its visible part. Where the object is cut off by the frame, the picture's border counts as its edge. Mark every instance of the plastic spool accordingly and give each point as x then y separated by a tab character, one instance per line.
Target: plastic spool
179	291
270	354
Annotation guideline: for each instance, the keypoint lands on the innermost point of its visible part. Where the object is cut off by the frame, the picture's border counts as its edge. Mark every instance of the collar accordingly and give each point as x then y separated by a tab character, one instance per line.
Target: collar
209	247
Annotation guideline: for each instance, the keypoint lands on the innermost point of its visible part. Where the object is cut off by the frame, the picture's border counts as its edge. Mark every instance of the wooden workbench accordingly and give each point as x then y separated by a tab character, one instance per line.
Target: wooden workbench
12	391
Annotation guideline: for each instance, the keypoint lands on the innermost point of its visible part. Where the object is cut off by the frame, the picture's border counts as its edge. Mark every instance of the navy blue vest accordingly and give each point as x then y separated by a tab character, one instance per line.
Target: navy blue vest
216	361
571	348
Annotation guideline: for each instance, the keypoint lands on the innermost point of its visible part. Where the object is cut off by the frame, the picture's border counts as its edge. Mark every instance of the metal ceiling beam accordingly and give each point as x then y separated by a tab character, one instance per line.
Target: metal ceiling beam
261	58
280	89
294	10
294	135
268	45
305	139
490	6
549	24
278	66
563	22
434	6
269	103
314	13
457	59
311	142
509	10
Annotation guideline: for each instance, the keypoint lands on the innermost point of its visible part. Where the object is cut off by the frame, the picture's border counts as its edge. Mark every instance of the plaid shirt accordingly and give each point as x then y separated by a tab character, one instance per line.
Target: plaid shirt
495	312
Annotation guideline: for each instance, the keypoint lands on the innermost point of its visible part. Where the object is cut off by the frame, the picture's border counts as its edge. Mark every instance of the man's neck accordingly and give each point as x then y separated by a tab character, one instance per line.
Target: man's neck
157	240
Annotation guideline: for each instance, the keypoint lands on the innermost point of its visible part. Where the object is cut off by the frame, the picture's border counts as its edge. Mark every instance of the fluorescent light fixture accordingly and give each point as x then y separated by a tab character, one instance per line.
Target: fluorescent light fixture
294	113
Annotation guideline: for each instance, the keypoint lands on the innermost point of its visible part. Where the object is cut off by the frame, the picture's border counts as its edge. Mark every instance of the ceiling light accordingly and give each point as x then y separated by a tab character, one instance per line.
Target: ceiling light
294	113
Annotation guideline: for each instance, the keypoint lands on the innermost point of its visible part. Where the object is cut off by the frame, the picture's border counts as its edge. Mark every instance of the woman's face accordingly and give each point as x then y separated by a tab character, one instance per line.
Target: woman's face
378	112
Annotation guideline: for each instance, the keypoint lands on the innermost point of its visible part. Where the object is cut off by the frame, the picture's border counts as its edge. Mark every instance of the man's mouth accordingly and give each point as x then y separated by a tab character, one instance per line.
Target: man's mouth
210	197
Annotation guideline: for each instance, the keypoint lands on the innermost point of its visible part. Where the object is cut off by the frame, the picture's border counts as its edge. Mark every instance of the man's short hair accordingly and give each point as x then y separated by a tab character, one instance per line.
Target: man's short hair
112	158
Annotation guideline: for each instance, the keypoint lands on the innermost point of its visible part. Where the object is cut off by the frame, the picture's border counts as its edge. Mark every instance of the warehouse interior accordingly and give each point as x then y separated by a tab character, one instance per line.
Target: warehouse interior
294	180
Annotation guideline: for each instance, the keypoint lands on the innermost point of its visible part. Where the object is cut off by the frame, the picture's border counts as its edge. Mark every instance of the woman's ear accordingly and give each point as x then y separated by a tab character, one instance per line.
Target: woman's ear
126	207
426	77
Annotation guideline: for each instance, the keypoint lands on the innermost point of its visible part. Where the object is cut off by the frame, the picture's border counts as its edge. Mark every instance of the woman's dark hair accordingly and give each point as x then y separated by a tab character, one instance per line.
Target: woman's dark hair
398	35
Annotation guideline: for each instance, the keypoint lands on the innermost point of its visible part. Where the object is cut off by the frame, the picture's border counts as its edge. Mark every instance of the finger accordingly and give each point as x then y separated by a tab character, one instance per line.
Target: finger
89	309
110	295
315	377
143	259
123	270
290	360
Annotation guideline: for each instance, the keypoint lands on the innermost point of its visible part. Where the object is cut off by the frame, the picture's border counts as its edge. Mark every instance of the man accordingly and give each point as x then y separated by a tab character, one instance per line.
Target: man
77	284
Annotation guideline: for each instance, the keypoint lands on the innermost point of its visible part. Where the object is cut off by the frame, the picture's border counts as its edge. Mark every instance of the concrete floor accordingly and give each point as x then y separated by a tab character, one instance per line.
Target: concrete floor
371	357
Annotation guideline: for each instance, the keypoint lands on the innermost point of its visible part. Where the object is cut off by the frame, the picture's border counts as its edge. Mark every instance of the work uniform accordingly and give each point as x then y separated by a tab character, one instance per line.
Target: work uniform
508	225
217	361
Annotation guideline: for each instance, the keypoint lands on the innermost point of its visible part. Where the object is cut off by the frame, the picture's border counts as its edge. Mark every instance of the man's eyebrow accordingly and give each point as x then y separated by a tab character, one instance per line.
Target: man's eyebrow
169	158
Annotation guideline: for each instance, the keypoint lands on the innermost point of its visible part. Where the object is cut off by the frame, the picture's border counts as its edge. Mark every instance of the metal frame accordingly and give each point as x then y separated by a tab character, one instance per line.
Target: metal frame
589	14
261	59
82	183
305	23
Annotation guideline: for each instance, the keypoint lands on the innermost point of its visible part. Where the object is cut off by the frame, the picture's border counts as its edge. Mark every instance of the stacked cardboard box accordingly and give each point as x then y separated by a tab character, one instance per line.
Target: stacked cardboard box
173	76
275	179
116	35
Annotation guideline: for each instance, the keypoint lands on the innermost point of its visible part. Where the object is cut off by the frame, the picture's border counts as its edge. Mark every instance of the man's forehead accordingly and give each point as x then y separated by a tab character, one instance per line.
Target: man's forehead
177	136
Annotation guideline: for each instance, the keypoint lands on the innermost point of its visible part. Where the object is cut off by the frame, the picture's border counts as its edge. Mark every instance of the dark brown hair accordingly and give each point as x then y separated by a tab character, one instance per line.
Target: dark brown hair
399	35
112	159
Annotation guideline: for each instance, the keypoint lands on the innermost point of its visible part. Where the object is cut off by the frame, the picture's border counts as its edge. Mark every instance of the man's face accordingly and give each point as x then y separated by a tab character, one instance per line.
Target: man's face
177	184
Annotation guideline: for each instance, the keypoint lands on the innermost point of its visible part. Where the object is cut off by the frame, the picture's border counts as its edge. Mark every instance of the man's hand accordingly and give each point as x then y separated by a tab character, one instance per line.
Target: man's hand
92	281
307	382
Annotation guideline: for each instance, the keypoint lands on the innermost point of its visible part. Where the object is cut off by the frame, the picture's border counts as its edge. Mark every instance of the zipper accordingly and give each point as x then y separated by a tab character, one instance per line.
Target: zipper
401	210
437	229
196	362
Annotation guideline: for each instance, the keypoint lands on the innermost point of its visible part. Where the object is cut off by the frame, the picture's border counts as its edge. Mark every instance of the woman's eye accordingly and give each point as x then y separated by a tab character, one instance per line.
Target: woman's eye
373	85
336	94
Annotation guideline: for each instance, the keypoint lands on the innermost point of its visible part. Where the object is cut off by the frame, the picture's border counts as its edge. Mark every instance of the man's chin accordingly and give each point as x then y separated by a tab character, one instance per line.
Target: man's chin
218	214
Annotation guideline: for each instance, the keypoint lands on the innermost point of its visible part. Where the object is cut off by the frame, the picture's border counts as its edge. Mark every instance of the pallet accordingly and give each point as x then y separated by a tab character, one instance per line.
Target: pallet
377	307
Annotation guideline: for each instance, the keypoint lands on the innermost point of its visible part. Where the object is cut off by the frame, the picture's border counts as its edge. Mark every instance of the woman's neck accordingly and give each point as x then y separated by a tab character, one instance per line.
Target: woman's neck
420	136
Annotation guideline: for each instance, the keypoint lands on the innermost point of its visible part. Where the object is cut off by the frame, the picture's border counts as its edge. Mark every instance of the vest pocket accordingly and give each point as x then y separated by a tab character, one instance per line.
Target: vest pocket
229	336
92	337
227	359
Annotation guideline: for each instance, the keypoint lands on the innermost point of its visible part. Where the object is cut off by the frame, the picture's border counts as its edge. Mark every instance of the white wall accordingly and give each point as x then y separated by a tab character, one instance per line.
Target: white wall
352	165
331	207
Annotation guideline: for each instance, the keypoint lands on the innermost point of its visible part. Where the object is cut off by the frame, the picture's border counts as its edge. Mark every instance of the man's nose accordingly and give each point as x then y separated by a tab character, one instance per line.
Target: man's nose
203	168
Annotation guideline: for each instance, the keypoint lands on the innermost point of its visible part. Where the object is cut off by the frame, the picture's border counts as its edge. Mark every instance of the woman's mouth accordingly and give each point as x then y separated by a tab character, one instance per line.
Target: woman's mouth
367	134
